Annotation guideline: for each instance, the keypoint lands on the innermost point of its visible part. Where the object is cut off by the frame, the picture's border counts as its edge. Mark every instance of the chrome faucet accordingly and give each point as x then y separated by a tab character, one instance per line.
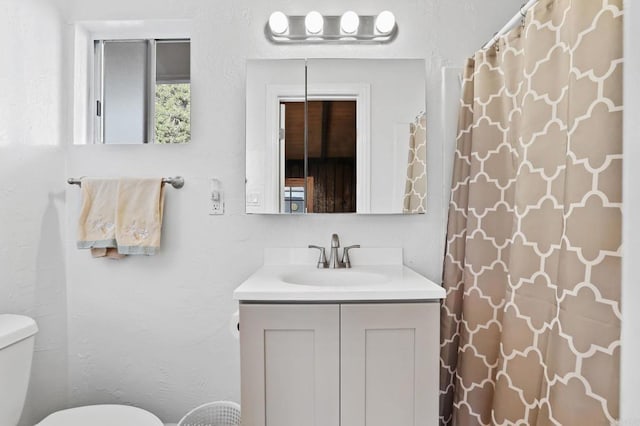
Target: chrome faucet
345	255
322	260
333	262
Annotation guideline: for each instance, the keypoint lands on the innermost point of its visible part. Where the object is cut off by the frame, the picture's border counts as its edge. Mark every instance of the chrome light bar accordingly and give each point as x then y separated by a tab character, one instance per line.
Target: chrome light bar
345	29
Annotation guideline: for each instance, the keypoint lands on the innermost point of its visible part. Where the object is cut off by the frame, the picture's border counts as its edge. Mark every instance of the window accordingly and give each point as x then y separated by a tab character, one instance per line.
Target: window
142	91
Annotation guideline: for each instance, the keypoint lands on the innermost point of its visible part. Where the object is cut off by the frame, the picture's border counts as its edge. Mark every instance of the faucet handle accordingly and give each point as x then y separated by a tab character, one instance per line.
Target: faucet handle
345	255
322	260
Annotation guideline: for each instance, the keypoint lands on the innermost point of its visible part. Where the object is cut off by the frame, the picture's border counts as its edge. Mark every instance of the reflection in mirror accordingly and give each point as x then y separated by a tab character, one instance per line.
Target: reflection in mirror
331	153
270	84
365	136
390	160
294	196
142	91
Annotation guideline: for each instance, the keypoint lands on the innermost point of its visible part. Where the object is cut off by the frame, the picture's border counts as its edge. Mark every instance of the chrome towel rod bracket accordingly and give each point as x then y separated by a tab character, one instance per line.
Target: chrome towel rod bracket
177	182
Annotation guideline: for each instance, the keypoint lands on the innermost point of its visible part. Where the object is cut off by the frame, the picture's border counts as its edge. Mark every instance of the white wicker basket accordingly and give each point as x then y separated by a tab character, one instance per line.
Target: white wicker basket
219	413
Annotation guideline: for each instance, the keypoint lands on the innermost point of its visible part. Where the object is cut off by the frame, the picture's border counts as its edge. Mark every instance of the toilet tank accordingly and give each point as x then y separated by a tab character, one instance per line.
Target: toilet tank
16	352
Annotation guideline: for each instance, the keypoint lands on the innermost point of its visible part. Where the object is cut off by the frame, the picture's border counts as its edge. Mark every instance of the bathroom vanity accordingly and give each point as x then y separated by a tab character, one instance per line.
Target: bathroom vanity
349	347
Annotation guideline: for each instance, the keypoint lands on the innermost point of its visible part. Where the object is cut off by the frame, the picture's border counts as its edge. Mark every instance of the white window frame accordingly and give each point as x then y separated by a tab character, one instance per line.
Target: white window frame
86	33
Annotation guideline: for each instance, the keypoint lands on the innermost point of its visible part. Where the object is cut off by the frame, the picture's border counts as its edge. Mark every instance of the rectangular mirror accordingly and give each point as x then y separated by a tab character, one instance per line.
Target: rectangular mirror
357	145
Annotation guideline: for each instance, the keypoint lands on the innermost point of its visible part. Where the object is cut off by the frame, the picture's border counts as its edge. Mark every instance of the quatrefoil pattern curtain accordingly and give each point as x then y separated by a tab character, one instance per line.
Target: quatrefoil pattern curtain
415	194
531	321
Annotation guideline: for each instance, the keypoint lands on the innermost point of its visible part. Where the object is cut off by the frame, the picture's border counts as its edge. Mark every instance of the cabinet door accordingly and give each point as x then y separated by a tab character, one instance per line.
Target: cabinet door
389	364
290	366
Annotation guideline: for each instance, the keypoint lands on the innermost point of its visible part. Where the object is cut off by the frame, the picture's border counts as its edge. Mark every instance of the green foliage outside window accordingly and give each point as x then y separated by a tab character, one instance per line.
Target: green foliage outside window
173	113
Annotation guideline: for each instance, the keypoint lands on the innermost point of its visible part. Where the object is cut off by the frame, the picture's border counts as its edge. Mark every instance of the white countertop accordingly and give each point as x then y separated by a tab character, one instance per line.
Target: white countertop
376	275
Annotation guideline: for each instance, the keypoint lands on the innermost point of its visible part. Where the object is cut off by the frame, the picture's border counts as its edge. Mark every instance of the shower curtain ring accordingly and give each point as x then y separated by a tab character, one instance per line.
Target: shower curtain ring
523	12
496	40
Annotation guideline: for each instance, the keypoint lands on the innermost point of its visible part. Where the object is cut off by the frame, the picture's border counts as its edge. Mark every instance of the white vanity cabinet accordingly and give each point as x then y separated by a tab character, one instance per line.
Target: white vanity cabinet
340	364
389	364
290	365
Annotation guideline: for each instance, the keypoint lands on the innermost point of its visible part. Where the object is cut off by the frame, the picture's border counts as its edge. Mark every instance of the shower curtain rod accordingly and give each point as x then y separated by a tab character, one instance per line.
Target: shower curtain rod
512	23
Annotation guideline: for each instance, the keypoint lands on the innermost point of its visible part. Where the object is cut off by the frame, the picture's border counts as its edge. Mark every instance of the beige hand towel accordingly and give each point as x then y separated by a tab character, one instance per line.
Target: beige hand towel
96	224
110	253
139	209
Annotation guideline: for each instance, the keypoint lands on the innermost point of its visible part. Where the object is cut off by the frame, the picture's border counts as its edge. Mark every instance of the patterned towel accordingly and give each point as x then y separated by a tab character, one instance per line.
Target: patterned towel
97	221
139	213
121	216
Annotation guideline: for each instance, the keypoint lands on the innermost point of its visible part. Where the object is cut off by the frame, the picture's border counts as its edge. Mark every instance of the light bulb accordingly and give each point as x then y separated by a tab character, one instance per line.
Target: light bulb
278	22
385	22
313	22
349	22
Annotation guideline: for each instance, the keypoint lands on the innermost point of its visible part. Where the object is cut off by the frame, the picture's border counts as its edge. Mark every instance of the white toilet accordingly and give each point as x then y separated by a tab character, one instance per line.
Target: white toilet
102	415
16	350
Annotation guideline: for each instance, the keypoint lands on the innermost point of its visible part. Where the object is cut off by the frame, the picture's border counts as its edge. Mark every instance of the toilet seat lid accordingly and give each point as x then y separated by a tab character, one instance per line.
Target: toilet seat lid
102	415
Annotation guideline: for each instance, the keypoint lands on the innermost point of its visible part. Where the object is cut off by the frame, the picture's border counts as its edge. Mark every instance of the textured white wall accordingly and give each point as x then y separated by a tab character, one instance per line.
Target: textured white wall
630	373
154	331
32	271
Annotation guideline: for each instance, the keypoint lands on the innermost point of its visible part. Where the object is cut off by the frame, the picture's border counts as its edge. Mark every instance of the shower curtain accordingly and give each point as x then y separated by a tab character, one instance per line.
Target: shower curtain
530	327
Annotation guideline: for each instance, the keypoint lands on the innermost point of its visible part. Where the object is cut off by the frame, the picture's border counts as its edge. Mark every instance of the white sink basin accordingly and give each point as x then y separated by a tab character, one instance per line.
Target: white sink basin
335	277
290	275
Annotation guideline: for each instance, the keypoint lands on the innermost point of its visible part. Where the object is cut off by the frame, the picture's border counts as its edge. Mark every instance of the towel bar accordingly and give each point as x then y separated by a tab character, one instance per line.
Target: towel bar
177	182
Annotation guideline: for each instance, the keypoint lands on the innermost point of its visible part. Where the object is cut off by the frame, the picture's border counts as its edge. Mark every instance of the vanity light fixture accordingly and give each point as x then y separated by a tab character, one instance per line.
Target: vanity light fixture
313	22
314	28
385	22
278	23
349	22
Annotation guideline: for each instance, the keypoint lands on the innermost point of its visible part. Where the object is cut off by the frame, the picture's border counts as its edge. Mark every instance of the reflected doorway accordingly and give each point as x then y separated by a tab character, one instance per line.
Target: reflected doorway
331	163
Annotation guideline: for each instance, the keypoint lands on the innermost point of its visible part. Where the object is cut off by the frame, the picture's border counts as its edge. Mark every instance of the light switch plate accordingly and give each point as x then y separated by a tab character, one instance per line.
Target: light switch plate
254	199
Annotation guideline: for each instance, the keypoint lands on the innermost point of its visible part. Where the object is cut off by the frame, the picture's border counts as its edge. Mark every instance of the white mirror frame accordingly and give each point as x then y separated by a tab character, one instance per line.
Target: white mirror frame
276	94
